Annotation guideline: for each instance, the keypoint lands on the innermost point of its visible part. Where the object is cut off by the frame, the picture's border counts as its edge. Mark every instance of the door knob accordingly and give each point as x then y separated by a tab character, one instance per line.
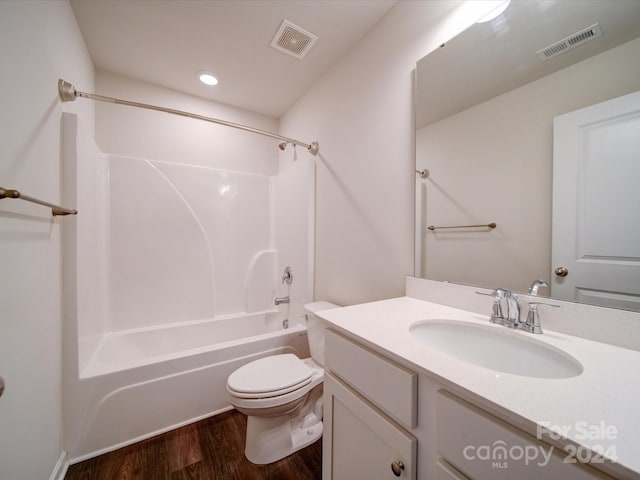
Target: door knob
397	468
561	271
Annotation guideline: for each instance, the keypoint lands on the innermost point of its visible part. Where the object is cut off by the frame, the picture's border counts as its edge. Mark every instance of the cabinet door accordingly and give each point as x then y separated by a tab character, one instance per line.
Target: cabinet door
444	471
361	442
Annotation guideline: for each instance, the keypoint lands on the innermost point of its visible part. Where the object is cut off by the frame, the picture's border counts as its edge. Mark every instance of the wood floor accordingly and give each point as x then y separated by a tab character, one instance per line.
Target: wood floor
211	449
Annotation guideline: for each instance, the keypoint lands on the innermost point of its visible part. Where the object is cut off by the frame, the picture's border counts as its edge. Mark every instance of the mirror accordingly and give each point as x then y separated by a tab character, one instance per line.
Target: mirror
485	108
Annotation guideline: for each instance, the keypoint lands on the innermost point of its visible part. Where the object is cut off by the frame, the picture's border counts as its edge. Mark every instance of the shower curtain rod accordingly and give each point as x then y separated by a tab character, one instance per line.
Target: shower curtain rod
68	93
55	209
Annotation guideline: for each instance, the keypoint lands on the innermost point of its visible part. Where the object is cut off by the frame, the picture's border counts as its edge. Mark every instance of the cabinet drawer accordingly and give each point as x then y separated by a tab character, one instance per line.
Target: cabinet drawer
387	385
484	447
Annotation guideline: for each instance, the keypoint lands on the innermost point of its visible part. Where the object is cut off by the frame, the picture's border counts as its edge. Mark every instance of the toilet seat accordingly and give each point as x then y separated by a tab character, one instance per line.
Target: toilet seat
269	377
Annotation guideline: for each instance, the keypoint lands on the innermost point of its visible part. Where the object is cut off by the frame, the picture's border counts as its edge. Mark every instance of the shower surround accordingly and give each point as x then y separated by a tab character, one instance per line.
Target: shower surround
170	271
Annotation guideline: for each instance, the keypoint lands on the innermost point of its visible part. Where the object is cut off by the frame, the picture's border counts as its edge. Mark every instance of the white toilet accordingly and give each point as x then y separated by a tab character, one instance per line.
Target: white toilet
282	397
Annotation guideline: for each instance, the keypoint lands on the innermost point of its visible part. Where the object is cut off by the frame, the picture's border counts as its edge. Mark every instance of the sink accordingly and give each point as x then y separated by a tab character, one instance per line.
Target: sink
496	348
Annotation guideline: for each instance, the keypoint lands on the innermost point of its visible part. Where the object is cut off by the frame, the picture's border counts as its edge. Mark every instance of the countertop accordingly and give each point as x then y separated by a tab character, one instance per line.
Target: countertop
598	409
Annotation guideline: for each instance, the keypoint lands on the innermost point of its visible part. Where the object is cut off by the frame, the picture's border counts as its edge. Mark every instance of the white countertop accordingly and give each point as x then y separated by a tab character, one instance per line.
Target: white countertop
605	396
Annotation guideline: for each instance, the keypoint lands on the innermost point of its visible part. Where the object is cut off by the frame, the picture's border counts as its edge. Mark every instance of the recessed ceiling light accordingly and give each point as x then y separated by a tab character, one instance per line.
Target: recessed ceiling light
500	7
207	78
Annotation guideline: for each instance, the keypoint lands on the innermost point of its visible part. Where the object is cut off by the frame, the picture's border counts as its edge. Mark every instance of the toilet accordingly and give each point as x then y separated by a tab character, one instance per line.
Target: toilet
282	396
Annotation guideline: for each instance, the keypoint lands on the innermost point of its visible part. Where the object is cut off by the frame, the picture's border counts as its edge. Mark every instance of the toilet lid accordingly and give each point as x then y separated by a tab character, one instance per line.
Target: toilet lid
270	374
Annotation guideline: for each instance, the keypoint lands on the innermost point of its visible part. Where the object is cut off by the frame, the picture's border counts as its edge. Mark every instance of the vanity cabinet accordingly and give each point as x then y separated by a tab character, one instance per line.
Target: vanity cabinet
363	438
384	421
477	445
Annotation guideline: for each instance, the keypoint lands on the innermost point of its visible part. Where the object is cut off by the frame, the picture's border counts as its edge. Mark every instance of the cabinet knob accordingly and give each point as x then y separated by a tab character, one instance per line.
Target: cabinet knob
561	271
397	468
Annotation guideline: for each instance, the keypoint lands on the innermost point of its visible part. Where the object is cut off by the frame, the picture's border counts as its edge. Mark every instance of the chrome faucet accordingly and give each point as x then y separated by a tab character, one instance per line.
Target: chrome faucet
535	286
496	310
506	311
287	276
532	325
512	320
280	300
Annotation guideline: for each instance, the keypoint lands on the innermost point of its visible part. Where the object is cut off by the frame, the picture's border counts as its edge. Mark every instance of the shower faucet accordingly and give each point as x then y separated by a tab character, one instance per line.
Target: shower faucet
280	300
287	276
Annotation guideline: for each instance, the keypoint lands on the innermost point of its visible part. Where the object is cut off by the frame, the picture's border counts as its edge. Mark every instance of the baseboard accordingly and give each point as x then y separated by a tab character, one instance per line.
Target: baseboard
60	470
102	451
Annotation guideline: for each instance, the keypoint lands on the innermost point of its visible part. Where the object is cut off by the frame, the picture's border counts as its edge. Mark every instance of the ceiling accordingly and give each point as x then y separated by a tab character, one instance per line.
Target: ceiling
168	42
501	55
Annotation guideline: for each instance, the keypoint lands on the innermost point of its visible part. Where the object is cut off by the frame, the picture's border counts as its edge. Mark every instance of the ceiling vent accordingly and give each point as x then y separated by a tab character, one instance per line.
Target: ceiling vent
570	42
293	40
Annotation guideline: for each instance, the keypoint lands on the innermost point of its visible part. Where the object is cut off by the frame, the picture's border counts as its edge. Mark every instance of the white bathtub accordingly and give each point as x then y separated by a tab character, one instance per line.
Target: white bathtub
136	347
144	382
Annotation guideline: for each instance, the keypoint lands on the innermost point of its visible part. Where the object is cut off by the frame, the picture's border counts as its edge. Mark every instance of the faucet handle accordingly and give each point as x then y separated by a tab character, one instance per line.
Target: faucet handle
532	324
499	293
287	276
496	309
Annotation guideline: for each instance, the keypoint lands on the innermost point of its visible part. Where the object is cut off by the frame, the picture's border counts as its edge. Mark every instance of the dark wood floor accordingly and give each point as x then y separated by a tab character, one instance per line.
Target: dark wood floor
211	449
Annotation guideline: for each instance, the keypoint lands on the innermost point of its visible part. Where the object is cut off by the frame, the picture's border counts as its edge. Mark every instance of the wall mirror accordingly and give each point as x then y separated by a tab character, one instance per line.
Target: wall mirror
485	108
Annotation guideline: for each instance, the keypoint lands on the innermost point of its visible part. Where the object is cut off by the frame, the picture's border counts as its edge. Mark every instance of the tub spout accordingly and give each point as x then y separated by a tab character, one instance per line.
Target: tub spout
279	300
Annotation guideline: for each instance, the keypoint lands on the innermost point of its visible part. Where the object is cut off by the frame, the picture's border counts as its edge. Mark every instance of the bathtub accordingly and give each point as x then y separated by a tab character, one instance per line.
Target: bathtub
143	382
136	347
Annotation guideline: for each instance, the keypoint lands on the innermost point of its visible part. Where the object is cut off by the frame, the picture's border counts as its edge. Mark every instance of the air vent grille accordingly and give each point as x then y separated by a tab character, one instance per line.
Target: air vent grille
293	40
570	42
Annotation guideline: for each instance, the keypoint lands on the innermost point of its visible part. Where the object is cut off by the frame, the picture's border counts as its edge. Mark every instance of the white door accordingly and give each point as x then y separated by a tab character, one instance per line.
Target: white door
596	204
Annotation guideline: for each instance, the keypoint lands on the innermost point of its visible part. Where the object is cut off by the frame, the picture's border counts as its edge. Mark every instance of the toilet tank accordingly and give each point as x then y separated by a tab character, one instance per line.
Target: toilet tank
316	328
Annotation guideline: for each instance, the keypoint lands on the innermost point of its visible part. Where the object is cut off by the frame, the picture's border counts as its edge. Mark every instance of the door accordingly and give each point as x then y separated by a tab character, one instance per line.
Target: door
596	204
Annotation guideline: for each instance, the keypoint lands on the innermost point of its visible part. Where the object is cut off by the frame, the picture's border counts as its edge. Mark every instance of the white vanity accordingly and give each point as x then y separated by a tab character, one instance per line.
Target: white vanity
396	407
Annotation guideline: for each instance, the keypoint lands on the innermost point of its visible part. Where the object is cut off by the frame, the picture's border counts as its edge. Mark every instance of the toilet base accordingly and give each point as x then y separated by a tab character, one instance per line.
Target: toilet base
270	439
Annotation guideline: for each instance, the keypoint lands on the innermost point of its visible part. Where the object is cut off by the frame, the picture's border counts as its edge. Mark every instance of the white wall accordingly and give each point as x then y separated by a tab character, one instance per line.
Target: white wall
134	132
294	230
361	112
187	243
40	43
501	171
131	132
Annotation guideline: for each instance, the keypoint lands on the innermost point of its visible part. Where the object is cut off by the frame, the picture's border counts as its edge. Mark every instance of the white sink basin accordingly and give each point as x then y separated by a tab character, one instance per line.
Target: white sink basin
496	348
